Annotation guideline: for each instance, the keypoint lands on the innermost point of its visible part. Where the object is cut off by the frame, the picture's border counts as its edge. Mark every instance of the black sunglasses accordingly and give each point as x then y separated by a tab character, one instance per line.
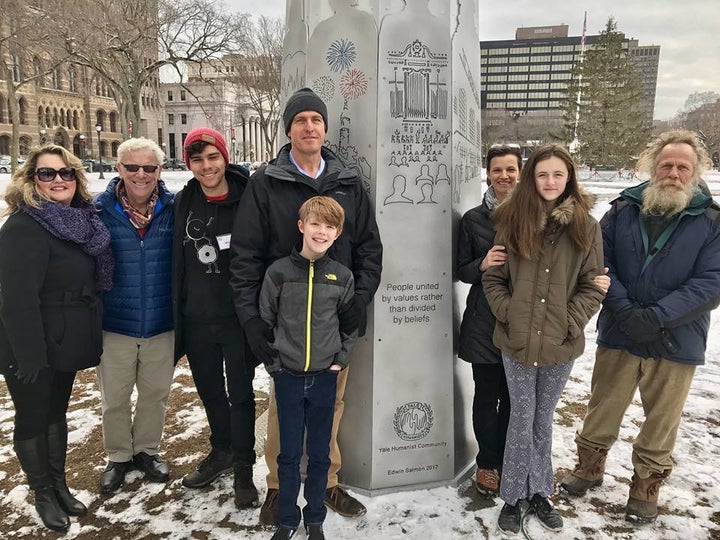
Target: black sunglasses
48	174
131	167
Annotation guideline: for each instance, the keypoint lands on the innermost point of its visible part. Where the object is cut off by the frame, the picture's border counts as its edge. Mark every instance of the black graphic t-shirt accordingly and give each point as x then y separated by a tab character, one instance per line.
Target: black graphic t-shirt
206	295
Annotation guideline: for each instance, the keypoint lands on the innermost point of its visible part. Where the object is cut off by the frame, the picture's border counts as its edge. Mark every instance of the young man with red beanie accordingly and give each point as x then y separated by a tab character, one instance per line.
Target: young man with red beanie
266	230
207	329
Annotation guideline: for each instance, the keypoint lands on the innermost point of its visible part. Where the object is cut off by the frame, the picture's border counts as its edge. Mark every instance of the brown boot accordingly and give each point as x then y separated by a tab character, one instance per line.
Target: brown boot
588	472
642	503
270	510
340	501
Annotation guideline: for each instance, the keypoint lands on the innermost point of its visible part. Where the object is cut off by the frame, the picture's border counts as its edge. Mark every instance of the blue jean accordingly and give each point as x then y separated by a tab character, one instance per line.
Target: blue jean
305	405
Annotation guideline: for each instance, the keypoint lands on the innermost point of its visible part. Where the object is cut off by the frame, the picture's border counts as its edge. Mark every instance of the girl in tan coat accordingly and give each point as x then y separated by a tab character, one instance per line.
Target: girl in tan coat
542	299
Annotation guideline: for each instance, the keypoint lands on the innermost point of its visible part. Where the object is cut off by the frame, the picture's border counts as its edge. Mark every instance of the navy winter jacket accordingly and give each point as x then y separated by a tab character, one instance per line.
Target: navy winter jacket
678	278
140	302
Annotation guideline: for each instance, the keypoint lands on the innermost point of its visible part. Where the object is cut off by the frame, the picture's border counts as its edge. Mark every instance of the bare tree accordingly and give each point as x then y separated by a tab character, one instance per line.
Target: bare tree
25	37
698	99
704	118
257	73
126	42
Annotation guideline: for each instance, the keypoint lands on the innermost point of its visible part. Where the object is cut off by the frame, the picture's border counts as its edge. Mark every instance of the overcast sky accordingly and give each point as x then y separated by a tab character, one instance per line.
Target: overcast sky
688	32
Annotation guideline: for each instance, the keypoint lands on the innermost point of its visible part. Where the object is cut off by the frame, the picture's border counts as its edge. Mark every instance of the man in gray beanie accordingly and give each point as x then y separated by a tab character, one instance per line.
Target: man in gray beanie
265	230
303	100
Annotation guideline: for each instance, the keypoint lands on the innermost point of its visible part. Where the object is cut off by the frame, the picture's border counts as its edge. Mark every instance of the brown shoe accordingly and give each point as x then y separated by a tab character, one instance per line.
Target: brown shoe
340	501
487	482
642	502
269	513
588	472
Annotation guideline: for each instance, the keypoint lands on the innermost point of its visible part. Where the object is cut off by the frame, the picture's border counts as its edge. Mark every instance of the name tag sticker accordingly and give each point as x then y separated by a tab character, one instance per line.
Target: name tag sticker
223	241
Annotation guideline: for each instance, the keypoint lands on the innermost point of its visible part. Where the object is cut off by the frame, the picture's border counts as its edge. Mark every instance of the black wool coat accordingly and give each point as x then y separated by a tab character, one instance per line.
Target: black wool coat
50	312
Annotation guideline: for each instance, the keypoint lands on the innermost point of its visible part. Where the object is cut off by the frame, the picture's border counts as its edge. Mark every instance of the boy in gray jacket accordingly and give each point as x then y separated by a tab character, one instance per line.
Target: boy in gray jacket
303	297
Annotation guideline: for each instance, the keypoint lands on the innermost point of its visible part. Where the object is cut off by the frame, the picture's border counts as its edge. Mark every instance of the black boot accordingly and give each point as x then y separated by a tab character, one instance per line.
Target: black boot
32	454
57	450
246	495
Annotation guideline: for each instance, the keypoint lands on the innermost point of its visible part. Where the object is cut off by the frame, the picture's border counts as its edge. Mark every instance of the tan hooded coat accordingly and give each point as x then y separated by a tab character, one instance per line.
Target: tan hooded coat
542	305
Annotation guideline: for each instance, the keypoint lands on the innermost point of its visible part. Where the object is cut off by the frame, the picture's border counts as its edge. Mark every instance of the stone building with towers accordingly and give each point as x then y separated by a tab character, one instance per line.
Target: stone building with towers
212	97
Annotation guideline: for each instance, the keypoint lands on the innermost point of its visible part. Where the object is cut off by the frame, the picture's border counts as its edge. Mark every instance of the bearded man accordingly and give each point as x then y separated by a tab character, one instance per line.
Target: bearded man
662	247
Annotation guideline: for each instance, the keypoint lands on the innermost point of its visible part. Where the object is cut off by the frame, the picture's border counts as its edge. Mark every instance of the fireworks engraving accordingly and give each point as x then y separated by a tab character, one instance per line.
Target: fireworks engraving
353	84
324	87
340	55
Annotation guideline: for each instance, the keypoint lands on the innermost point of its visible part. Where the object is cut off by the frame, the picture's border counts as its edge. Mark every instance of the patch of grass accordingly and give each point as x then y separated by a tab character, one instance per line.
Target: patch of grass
571	412
86	460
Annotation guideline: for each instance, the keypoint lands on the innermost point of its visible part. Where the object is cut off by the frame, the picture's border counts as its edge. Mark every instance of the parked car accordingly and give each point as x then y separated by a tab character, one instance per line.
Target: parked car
5	166
93	165
174	165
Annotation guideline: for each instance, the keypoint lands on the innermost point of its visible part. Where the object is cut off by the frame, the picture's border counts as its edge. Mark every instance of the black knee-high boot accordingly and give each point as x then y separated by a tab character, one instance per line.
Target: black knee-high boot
33	457
57	450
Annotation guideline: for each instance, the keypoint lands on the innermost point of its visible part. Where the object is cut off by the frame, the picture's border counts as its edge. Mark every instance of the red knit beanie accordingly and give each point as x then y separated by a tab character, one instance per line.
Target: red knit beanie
208	135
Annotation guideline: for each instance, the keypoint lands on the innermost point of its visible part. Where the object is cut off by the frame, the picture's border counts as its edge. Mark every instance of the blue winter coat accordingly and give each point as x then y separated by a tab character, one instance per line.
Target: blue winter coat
140	302
678	278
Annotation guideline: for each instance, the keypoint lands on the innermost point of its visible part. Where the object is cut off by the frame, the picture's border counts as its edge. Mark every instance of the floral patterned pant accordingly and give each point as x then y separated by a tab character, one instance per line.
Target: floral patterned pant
534	393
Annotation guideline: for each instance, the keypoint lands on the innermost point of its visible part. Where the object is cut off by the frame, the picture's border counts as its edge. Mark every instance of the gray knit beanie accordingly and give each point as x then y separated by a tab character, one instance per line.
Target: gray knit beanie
303	100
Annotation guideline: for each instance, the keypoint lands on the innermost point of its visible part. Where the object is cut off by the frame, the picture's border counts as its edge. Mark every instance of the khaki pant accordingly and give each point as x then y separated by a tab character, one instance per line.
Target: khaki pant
664	387
272	444
128	363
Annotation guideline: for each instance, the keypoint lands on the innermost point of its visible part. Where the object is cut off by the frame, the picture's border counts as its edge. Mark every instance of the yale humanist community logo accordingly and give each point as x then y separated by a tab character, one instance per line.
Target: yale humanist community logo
413	420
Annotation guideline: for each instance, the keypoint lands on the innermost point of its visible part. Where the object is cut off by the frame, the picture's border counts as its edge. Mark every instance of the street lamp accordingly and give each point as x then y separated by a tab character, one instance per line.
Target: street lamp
98	128
42	136
82	146
234	152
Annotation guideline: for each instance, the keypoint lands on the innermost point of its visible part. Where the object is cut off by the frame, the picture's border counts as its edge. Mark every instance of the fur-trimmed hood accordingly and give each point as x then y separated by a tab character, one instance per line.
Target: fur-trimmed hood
563	213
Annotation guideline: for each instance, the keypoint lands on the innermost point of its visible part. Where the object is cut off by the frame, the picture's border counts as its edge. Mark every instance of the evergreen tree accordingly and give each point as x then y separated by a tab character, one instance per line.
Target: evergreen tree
611	128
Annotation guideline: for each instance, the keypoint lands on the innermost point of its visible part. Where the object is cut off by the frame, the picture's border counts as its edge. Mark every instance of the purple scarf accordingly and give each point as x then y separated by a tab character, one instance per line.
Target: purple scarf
82	226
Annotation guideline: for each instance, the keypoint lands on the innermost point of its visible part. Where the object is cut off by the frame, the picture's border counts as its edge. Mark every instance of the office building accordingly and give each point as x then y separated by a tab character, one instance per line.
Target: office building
527	76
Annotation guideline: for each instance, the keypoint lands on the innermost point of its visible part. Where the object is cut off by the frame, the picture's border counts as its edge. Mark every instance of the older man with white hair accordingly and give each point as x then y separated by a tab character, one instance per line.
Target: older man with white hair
138	336
662	248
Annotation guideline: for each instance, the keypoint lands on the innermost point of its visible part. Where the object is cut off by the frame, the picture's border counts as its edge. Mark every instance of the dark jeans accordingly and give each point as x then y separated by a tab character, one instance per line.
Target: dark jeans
305	405
41	403
490	414
230	408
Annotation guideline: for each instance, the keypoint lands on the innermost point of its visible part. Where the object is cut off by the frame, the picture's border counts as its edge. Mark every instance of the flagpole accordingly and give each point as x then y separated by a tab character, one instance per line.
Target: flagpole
575	143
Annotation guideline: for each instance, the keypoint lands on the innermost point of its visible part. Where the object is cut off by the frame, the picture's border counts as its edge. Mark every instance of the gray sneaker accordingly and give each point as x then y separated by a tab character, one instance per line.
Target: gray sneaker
214	465
546	513
510	518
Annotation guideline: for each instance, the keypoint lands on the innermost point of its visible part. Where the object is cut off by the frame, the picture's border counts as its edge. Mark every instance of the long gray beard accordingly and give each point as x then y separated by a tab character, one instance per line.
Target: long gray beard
660	200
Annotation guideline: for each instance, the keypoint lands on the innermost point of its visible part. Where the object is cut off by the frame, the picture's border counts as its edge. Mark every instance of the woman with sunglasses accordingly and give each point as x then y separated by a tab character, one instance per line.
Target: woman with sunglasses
54	258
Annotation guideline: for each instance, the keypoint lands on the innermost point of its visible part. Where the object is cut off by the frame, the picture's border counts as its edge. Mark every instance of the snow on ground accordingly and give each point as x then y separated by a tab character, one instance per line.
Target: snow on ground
689	501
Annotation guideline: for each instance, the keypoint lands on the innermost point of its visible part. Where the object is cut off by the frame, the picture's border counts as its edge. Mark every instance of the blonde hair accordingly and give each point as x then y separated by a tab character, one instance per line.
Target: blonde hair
23	188
326	209
649	158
